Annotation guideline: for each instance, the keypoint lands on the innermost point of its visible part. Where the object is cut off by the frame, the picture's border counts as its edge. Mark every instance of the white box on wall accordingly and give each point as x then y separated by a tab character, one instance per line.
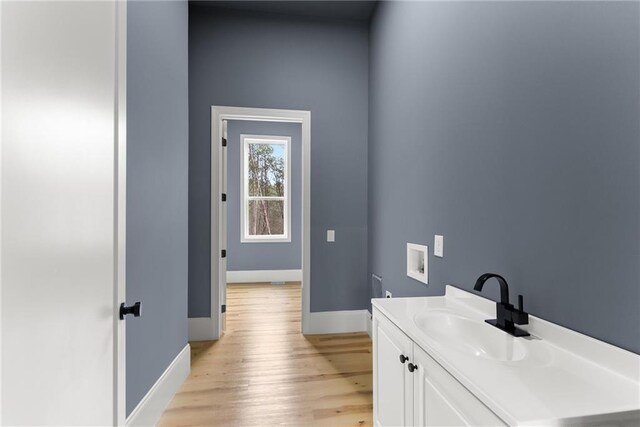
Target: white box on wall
418	262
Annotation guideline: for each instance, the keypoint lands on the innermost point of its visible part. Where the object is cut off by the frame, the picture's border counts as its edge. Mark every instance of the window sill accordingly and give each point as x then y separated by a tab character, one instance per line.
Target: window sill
274	240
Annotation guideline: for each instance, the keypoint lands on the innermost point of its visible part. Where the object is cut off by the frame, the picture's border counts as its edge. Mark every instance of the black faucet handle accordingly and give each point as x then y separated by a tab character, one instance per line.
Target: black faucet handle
520	317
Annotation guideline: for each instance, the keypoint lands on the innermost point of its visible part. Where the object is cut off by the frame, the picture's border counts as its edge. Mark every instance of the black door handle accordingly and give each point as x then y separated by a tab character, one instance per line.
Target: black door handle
412	367
403	358
132	309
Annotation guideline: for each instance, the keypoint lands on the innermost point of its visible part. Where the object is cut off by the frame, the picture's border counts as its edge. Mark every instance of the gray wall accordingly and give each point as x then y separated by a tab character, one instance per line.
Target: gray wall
263	60
262	256
511	129
157	185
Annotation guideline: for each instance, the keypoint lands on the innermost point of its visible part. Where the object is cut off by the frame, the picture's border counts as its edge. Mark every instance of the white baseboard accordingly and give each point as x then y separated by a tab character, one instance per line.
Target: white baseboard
201	329
369	321
337	322
153	404
256	276
322	322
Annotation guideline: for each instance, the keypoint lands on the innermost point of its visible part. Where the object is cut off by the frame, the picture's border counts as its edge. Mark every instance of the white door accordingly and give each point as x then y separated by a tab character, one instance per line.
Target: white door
223	234
392	381
440	400
59	214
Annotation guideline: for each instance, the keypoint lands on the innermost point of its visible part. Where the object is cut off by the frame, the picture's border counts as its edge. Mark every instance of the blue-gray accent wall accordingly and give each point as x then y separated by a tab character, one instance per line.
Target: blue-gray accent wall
262	60
157	188
262	256
512	129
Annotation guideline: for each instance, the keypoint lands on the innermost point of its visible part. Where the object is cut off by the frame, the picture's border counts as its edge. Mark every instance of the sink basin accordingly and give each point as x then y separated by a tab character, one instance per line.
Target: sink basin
471	336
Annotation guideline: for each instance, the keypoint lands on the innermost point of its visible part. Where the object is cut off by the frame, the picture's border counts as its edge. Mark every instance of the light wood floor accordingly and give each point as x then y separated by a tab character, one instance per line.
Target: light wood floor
264	372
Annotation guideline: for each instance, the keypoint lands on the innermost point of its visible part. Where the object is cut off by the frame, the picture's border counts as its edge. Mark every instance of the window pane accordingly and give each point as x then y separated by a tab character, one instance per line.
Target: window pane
266	171
266	217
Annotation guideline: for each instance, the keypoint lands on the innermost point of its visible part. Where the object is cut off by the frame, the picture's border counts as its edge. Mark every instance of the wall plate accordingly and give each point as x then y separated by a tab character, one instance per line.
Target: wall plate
418	262
438	246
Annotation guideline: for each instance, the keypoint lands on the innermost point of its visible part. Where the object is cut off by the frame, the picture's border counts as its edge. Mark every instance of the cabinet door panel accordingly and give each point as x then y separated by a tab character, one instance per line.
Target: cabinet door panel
393	386
440	400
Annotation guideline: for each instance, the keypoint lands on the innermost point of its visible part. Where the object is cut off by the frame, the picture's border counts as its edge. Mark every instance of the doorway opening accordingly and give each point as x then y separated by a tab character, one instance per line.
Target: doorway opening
261	230
262	195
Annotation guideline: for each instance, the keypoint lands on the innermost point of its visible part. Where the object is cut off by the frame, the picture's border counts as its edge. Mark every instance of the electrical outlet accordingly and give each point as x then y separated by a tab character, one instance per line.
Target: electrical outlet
331	235
387	294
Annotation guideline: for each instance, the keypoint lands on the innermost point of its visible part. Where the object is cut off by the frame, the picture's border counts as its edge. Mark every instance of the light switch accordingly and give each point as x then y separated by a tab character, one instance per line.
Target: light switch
331	235
438	246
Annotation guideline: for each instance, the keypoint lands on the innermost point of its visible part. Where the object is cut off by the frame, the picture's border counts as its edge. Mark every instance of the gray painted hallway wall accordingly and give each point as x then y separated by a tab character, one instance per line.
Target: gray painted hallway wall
262	256
269	61
512	129
157	188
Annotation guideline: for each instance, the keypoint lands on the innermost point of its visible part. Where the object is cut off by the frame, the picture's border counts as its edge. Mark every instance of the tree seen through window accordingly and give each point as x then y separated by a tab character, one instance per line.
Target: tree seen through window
266	187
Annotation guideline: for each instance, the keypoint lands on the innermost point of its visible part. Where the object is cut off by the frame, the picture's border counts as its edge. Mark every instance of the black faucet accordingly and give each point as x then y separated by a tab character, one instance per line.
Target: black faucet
507	315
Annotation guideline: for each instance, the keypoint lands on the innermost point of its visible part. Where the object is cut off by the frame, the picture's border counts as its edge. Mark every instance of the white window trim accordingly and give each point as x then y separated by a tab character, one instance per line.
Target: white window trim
245	140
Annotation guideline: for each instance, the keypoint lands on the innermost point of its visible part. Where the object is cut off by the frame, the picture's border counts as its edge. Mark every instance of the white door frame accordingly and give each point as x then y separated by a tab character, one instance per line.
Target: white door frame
120	294
0	218
218	114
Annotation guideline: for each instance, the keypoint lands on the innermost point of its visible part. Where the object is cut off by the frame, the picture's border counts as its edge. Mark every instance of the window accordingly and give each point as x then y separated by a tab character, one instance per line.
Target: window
266	200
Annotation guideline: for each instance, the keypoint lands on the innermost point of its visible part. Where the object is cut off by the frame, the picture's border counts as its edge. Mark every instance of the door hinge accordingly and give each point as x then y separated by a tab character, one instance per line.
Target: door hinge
223	308
224	197
224	142
223	253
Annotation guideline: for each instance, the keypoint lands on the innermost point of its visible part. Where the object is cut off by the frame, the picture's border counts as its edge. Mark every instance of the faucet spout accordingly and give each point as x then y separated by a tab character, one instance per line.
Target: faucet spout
506	314
504	288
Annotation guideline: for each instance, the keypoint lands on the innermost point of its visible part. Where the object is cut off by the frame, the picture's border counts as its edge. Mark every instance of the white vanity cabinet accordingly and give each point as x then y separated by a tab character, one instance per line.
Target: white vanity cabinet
440	400
428	396
457	370
392	381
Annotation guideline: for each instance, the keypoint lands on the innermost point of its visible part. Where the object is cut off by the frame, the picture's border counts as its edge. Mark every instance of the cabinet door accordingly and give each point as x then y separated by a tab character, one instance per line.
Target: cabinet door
392	382
440	400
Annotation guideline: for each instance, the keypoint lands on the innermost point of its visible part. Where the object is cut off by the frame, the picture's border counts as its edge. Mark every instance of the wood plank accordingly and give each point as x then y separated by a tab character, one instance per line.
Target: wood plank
264	372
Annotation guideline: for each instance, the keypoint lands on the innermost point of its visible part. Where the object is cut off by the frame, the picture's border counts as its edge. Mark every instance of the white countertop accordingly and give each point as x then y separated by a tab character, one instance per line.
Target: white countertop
564	378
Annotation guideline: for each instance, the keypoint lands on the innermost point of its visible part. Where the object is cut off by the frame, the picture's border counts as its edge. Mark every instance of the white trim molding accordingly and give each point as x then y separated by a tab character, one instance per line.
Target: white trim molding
259	276
201	329
120	293
337	322
369	324
153	404
1	134
245	197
